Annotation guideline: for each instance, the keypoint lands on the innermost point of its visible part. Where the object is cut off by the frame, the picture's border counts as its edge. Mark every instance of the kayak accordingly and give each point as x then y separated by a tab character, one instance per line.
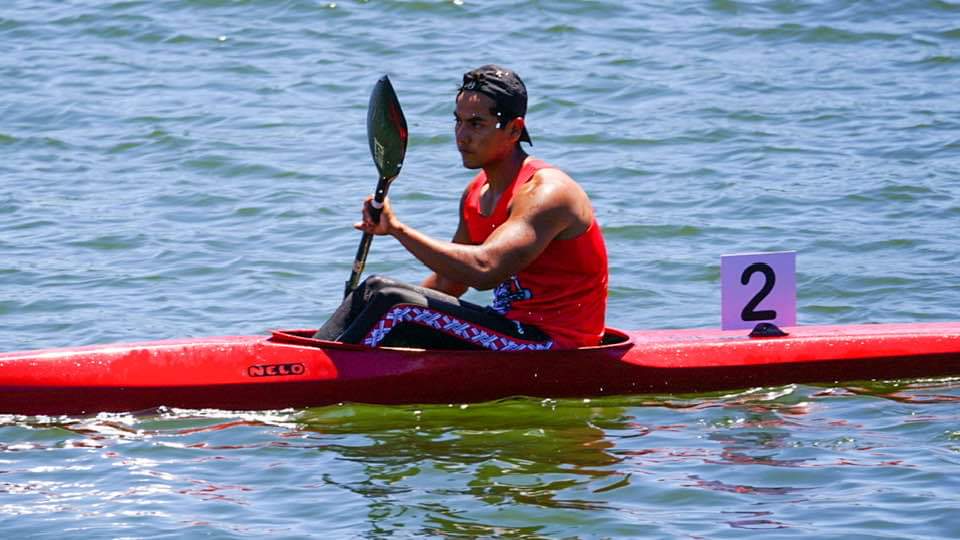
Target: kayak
289	368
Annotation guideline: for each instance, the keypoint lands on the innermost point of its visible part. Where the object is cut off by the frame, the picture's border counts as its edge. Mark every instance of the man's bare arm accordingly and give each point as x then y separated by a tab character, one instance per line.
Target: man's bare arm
547	206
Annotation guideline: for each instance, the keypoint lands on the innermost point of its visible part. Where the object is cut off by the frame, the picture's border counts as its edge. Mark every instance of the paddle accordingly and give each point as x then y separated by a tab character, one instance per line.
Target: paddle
387	133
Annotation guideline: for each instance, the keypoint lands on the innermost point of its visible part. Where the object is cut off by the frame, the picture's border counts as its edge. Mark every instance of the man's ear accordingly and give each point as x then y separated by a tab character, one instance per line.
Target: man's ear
516	127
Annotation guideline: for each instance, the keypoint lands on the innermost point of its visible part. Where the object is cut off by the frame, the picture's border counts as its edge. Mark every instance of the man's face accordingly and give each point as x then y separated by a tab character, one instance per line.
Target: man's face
479	140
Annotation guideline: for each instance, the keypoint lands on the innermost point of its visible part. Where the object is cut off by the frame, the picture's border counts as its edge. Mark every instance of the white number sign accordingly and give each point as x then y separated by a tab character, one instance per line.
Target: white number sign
758	287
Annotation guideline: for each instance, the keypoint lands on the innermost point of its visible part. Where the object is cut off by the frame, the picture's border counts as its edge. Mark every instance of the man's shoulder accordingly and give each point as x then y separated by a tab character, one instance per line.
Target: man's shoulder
549	173
553	195
553	183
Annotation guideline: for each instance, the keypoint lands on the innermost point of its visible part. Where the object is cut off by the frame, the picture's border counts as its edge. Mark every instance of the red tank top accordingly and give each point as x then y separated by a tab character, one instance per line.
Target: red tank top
564	290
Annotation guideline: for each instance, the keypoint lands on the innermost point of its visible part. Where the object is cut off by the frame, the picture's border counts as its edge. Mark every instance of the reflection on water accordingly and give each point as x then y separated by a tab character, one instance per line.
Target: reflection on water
438	462
912	391
758	459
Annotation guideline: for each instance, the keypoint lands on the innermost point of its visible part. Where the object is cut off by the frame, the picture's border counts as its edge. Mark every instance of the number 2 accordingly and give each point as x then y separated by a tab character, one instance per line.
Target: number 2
749	312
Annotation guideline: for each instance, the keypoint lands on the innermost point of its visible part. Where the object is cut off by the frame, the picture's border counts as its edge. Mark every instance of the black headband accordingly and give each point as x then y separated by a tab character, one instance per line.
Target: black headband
504	87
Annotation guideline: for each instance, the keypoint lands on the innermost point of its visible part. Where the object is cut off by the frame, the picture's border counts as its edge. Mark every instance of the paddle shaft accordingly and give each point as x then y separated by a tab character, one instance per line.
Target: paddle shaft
361	258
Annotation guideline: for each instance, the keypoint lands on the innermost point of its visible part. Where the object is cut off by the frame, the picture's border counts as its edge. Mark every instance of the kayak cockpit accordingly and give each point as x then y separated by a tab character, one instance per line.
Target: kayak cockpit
612	338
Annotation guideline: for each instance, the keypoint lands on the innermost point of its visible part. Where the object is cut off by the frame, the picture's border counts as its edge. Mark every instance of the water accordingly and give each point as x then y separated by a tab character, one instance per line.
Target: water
192	167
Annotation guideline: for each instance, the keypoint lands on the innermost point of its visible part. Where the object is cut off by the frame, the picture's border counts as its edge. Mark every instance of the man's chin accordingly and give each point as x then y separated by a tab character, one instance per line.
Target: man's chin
468	162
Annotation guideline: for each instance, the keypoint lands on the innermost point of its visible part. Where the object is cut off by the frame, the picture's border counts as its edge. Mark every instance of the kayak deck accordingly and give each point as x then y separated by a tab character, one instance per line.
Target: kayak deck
290	369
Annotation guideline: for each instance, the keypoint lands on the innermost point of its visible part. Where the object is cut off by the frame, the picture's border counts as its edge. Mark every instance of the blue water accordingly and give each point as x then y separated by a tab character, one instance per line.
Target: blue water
184	168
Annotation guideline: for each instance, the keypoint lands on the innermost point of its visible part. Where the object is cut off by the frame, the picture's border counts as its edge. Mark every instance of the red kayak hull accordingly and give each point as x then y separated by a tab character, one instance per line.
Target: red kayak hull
288	369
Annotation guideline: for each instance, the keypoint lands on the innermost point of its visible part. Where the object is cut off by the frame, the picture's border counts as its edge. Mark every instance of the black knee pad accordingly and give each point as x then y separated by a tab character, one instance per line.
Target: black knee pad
381	299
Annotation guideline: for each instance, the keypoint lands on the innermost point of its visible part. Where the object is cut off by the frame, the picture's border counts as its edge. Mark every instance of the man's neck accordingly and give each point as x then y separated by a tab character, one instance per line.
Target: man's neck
501	174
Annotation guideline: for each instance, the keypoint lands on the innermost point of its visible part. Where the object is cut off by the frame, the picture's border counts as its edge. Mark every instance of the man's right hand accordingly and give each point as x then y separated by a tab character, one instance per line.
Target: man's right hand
386	225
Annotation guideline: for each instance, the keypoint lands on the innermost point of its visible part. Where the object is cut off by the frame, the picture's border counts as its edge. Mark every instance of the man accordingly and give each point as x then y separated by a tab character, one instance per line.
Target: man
527	230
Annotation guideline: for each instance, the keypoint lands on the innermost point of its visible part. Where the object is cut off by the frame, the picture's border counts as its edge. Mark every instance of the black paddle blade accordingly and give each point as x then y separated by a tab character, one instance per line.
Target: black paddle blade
386	129
387	132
